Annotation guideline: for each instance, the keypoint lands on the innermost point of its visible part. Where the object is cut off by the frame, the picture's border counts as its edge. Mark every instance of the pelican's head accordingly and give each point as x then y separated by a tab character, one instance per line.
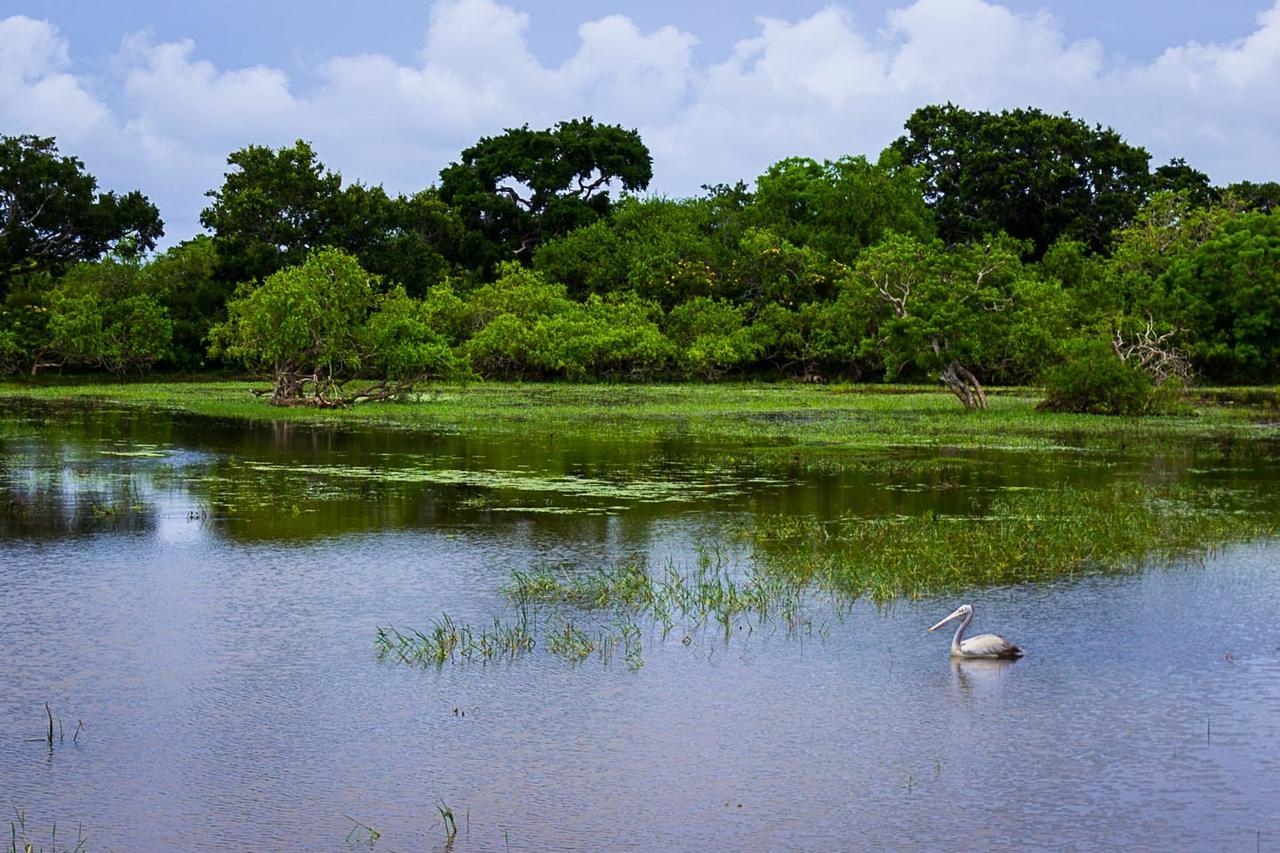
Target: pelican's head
960	612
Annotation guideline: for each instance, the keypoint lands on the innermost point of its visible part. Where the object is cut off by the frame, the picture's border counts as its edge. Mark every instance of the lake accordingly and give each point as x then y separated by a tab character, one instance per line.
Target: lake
203	597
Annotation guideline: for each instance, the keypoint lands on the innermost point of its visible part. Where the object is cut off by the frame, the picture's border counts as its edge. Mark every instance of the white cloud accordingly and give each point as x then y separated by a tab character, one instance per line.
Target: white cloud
825	85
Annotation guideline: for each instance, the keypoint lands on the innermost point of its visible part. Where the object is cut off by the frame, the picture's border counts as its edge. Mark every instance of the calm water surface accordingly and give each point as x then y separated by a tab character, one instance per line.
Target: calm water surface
204	595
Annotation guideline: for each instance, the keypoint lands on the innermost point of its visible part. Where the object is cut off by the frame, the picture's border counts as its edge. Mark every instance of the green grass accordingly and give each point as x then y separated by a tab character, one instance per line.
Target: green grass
1023	537
798	424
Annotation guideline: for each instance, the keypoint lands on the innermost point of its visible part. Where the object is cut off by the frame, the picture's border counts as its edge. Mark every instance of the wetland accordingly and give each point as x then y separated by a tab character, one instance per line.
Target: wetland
536	617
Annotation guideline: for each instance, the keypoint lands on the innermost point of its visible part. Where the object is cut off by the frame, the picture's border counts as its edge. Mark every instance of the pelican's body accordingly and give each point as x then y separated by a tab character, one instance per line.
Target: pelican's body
981	646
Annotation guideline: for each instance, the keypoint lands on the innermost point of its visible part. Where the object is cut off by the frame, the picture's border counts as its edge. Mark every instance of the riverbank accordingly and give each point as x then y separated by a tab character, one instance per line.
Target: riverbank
805	420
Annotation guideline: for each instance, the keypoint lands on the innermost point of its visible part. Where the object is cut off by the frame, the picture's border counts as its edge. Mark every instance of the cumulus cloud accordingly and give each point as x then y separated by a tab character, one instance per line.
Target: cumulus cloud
823	85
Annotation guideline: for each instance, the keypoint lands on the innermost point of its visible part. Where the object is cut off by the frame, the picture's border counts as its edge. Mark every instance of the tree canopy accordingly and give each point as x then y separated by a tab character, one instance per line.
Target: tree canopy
517	189
1034	176
52	214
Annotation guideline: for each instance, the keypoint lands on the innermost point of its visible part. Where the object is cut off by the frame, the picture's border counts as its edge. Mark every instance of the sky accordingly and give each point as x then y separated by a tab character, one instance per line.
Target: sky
155	95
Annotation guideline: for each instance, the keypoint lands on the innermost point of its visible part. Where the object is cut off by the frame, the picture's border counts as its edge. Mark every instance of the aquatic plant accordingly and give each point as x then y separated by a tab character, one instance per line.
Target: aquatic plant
1022	537
21	840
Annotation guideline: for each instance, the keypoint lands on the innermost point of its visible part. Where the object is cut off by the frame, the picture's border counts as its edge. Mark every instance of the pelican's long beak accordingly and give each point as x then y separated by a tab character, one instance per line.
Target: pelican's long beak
953	615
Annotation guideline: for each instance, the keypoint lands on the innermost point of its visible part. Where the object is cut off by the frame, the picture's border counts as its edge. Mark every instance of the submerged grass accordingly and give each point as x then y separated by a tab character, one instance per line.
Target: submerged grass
596	612
1025	536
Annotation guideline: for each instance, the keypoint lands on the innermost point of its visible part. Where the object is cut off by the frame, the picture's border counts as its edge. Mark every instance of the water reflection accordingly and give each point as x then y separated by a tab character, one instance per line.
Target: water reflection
979	676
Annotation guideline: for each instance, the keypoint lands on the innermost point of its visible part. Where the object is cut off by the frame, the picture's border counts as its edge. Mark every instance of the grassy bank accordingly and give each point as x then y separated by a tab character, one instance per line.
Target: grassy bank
806	420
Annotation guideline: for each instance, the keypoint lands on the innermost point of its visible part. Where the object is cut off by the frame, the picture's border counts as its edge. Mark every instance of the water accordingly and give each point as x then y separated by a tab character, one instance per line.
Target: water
207	609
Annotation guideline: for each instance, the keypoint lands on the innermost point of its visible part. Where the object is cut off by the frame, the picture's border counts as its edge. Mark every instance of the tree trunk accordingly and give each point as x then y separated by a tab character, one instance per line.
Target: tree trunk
964	385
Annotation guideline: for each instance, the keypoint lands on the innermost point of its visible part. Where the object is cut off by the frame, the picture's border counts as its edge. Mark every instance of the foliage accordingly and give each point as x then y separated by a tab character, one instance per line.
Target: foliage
839	207
530	328
184	281
1093	380
1226	294
947	312
711	337
515	190
271	210
661	250
52	215
1035	176
101	315
1262	198
277	206
316	325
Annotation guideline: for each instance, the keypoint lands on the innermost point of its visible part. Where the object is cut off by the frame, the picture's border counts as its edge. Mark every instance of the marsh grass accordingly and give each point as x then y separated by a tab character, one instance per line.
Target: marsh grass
774	423
1023	537
453	641
22	841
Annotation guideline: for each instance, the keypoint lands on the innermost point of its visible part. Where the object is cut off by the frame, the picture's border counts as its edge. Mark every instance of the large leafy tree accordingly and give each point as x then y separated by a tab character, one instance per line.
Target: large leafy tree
839	207
278	205
1226	295
1035	176
523	186
53	216
272	209
316	325
953	312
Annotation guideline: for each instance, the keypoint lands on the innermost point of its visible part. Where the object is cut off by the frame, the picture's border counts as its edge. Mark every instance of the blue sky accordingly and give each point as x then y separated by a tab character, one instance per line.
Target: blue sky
155	95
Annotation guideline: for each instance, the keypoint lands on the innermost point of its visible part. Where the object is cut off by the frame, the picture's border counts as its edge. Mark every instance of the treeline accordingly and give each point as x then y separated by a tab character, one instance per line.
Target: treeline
978	248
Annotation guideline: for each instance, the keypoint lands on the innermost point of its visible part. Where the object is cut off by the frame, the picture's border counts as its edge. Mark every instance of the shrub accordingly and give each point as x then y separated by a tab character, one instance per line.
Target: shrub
1094	380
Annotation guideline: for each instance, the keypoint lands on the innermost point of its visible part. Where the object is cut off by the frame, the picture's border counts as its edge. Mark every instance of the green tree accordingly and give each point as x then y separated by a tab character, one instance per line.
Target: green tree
1226	295
317	325
951	313
524	186
1262	198
662	250
52	215
100	315
711	337
839	207
1178	176
1034	176
184	281
278	205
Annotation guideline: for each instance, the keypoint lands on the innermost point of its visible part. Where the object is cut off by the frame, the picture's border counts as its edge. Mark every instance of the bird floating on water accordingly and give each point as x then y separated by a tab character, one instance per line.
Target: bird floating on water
981	646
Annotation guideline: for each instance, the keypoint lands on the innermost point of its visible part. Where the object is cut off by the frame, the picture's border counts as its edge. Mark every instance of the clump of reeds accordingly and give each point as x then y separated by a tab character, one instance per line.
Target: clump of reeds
453	641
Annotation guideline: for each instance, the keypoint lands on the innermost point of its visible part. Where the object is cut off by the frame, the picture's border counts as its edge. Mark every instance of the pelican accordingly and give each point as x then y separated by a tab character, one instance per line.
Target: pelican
981	646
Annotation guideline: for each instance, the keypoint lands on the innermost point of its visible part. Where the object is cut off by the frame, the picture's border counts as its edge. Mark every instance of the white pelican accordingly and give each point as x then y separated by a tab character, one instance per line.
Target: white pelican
981	646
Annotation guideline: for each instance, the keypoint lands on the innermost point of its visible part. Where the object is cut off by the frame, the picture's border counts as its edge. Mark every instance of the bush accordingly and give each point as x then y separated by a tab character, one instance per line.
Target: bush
1094	380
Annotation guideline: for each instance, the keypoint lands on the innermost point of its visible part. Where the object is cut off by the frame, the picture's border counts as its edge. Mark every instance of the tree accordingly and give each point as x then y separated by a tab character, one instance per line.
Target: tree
950	312
1034	176
839	207
184	281
1177	176
524	186
317	325
52	215
1263	198
277	206
1226	295
101	315
662	250
272	210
